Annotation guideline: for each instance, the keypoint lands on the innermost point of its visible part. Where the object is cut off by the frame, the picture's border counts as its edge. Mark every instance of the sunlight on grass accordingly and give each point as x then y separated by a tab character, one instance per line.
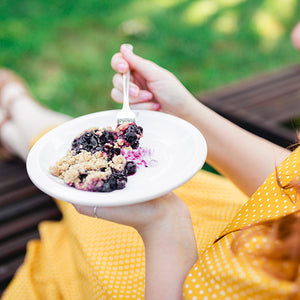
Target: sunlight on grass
226	3
14	29
167	3
136	27
199	12
227	23
49	82
64	49
268	28
282	9
142	8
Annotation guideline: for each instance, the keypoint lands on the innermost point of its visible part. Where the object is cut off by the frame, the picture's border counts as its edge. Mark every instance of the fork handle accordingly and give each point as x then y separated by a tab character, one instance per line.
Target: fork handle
126	80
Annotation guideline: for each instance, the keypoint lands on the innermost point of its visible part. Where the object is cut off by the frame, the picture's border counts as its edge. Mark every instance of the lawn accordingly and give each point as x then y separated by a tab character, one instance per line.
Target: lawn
63	48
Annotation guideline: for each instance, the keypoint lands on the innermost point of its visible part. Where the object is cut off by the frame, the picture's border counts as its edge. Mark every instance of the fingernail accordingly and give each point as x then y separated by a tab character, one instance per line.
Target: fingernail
133	91
145	95
129	46
122	68
156	106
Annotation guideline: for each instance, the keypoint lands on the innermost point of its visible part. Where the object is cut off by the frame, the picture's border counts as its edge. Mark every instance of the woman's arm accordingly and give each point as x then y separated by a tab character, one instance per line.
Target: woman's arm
165	226
236	153
170	252
241	156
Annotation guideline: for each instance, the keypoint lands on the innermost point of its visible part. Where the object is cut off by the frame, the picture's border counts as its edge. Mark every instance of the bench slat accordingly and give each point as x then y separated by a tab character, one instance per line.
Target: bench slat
12	211
17	245
18	194
262	105
13	227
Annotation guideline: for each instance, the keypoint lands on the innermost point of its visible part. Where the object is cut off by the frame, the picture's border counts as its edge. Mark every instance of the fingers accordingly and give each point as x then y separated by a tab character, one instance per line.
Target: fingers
136	103
105	213
295	36
135	94
146	106
143	96
119	64
134	91
85	210
118	84
113	214
148	69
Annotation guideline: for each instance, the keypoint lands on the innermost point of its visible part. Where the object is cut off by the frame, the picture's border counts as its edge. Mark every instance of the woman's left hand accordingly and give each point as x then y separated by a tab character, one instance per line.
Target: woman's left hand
165	226
141	216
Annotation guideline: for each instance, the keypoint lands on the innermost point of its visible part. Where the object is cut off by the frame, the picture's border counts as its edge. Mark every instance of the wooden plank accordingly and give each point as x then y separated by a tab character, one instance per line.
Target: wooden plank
17	245
22	208
12	211
12	196
261	105
278	109
264	94
11	167
13	182
13	227
8	270
244	85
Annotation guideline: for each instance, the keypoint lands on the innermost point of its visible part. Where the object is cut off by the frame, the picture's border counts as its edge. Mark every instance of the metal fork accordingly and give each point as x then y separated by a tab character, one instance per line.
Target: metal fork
126	114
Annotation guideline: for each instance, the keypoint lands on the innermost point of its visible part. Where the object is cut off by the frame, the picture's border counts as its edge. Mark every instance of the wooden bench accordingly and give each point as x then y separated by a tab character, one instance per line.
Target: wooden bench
267	105
22	208
261	105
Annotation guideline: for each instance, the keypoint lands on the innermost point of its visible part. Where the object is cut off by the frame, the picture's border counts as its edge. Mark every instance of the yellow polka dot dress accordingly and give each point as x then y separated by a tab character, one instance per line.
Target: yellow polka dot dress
85	258
221	274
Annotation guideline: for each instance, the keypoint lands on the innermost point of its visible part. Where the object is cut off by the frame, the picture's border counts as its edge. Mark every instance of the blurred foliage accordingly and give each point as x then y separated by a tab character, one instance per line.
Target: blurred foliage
63	48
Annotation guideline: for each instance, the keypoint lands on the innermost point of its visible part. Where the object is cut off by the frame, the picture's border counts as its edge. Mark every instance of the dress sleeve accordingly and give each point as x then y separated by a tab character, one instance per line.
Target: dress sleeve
220	273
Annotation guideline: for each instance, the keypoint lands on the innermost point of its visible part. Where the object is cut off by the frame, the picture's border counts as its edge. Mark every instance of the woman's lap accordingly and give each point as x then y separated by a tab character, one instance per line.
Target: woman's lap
82	257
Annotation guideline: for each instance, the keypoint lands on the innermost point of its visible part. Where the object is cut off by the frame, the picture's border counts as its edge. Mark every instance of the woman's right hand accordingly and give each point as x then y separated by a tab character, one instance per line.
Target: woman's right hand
152	87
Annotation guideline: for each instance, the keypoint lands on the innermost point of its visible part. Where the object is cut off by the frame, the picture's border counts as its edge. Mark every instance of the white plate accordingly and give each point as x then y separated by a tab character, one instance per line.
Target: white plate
178	147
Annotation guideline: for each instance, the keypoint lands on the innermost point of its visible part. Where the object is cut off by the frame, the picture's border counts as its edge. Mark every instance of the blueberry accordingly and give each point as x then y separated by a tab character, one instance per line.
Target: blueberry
112	183
135	129
94	140
117	151
105	187
135	145
132	128
87	148
106	137
82	177
87	135
88	141
119	174
140	129
130	168
108	149
121	184
130	137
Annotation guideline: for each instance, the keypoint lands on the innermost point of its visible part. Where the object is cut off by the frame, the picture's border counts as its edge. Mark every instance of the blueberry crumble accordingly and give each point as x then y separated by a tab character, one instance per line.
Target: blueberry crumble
96	163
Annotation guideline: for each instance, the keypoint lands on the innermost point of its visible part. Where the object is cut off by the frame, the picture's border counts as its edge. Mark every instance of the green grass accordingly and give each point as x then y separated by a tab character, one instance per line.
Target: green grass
63	48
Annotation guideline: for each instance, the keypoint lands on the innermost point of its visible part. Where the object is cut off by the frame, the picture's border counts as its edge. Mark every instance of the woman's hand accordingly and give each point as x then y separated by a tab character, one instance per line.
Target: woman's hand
152	87
165	226
145	216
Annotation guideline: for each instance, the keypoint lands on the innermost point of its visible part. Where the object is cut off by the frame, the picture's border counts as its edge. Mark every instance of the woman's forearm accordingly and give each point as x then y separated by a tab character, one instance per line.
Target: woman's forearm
171	252
236	153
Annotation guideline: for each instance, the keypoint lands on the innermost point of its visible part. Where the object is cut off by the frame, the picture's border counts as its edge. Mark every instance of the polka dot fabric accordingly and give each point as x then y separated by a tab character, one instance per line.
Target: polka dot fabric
221	274
86	258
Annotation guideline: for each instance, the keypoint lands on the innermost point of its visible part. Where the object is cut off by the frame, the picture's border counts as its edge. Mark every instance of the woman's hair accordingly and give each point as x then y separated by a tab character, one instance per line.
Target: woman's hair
283	241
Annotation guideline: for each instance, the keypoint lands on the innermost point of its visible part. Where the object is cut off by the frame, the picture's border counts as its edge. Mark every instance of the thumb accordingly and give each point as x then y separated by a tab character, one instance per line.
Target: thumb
148	69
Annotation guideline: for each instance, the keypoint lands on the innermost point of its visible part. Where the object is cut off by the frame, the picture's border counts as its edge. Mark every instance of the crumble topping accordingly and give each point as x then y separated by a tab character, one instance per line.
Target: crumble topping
95	162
